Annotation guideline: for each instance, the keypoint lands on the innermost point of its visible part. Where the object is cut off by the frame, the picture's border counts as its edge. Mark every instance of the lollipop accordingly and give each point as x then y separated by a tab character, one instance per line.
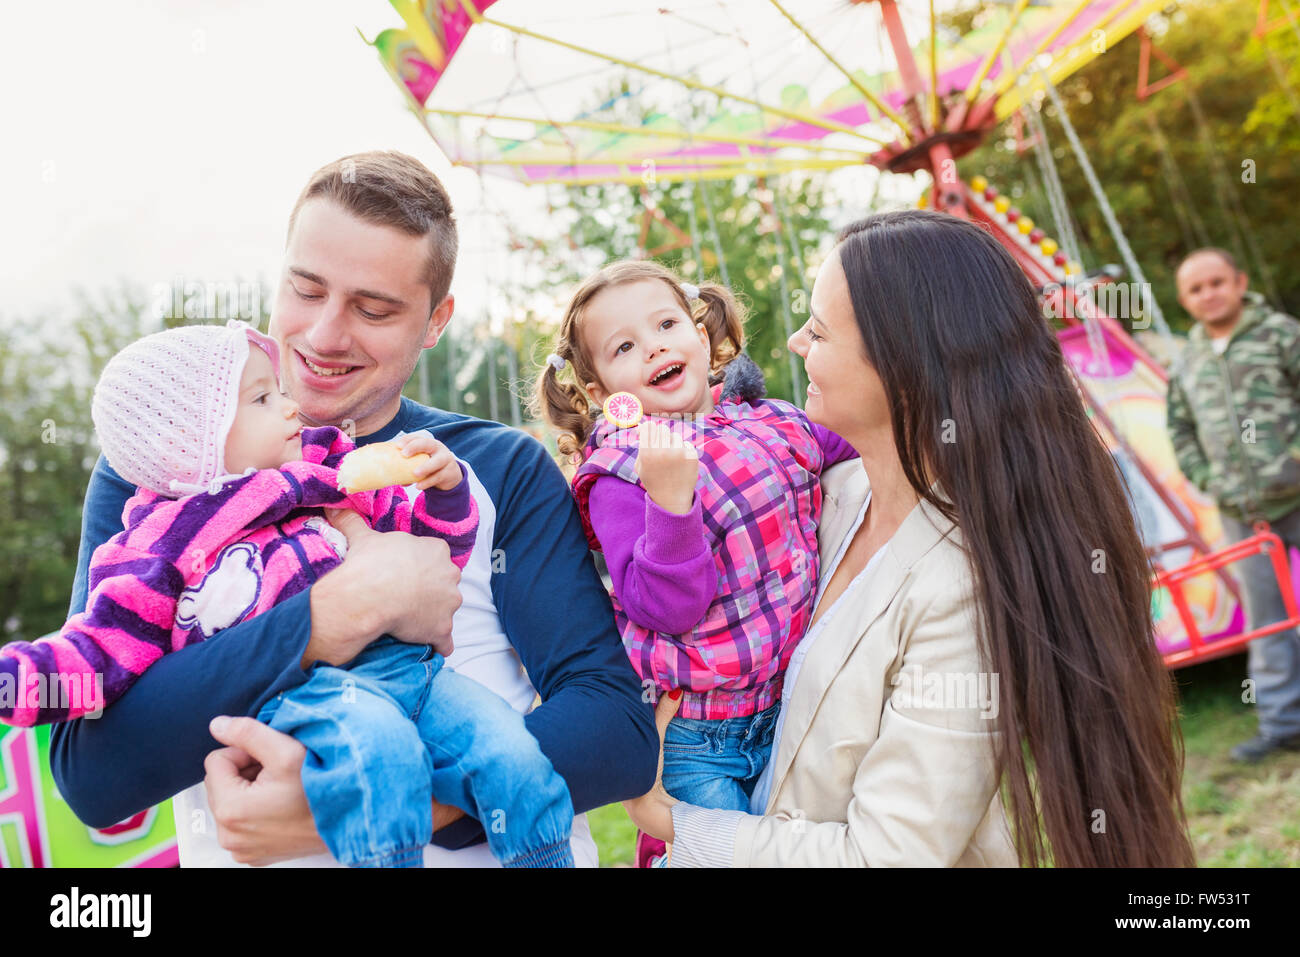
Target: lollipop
623	409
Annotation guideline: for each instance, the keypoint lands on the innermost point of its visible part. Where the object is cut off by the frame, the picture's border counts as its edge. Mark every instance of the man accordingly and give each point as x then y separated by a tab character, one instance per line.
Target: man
365	288
1234	418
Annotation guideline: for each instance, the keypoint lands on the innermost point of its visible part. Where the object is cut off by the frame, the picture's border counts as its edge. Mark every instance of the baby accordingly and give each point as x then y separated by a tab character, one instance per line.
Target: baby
227	522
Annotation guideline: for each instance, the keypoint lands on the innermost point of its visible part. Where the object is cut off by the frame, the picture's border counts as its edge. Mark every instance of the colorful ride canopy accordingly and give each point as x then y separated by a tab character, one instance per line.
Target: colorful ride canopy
633	91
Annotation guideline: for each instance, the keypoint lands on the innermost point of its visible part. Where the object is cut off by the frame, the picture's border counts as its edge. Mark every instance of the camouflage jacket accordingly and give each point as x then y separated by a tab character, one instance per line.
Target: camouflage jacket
1234	419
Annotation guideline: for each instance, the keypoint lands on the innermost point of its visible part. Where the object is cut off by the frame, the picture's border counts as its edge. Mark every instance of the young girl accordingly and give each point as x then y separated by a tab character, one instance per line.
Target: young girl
229	521
706	511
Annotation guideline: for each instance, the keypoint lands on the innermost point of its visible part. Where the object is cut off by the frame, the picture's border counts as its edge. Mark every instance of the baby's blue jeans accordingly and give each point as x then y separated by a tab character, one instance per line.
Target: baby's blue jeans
393	731
716	764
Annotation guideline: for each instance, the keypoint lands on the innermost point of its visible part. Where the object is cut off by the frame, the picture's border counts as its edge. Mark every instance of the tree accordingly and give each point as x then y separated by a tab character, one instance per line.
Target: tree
1210	159
47	373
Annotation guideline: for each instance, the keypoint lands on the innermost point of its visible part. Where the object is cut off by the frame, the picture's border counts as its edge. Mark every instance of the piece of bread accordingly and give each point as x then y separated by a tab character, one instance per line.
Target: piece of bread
376	466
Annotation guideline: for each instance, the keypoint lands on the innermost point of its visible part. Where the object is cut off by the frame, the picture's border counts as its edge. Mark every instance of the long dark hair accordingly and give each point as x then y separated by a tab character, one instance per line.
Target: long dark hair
982	404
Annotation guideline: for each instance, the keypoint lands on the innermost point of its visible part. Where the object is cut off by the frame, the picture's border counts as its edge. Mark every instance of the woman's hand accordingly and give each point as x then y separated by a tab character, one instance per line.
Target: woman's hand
652	812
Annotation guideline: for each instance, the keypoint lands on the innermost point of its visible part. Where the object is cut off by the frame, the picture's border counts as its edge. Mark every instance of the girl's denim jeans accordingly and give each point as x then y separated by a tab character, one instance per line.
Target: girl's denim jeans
716	764
393	731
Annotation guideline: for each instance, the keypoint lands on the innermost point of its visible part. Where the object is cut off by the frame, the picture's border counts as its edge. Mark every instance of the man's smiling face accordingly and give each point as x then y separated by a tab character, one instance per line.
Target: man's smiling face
352	315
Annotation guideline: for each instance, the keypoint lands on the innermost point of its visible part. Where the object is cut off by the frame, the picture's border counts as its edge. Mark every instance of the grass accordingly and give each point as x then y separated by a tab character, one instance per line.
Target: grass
615	835
1238	815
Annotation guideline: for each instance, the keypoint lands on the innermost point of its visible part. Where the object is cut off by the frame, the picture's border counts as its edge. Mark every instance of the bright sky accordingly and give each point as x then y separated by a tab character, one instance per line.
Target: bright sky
169	144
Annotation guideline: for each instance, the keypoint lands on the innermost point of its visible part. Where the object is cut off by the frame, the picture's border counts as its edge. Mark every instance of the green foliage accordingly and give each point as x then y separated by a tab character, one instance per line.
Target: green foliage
476	371
1247	120
47	374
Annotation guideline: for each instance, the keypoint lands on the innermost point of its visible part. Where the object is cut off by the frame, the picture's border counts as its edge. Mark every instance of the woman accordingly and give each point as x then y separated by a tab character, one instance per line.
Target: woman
983	617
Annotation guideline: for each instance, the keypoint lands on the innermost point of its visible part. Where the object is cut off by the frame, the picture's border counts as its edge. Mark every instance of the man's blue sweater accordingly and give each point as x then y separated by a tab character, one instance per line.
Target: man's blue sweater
592	723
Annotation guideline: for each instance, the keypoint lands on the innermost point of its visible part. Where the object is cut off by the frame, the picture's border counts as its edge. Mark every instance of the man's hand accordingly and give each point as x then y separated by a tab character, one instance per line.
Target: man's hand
389	583
255	792
667	466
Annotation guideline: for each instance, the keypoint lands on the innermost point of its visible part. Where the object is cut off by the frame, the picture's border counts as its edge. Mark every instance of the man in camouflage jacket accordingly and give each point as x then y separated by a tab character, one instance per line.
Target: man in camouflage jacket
1234	418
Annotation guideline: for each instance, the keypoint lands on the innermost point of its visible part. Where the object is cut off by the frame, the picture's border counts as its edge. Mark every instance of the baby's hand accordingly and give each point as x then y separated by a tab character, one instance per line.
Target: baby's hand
440	471
667	466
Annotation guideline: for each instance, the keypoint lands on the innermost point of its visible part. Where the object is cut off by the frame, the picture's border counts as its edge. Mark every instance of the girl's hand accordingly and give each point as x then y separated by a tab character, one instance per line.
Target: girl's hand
667	466
441	471
653	811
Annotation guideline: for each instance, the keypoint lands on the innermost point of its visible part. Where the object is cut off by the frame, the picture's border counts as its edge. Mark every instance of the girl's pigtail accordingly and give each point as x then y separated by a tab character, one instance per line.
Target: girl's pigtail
566	407
724	319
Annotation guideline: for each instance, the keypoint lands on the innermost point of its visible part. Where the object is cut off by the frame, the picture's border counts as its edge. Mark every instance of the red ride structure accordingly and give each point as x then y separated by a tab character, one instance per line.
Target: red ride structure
952	127
746	108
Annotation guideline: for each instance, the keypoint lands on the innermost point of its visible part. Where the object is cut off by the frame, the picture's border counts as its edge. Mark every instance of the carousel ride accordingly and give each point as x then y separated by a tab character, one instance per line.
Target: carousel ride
767	88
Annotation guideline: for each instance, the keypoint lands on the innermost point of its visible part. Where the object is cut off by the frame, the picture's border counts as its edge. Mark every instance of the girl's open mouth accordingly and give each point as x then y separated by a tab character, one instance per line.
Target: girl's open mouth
668	374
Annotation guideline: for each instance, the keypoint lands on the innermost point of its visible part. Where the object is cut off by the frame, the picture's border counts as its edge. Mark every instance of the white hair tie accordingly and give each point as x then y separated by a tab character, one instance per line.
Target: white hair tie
556	361
692	291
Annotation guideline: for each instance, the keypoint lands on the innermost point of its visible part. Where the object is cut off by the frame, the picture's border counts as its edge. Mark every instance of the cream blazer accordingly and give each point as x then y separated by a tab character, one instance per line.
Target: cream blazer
886	755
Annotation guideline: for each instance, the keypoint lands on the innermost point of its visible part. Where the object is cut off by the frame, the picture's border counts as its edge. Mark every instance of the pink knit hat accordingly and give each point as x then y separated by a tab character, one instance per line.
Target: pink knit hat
164	405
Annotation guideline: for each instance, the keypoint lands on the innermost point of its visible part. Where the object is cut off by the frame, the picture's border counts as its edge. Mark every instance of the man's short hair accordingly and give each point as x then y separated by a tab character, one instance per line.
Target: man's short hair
388	188
1223	254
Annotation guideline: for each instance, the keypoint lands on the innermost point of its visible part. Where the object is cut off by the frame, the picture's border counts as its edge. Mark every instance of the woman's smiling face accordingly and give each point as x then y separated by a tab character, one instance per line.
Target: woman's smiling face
845	392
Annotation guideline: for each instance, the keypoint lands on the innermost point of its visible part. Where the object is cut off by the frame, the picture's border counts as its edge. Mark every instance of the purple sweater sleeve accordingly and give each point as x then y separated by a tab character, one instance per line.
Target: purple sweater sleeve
449	514
663	570
834	448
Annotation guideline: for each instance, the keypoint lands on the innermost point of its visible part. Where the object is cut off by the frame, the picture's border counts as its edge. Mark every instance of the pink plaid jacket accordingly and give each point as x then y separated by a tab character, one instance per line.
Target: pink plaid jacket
760	496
